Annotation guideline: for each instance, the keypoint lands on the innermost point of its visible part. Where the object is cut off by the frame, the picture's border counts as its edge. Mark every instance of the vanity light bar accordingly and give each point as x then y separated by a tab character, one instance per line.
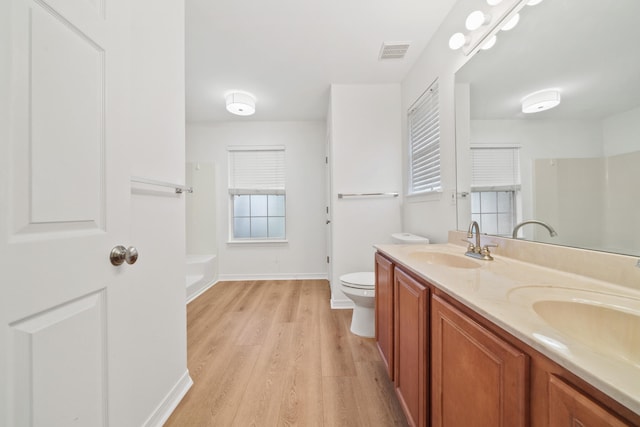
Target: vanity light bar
484	24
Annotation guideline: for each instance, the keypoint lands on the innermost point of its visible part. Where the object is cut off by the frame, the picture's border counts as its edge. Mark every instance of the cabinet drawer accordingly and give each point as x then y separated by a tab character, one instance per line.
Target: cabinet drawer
568	407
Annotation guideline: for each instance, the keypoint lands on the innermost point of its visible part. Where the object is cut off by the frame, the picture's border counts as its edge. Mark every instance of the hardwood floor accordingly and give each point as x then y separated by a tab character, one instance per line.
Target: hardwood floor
273	353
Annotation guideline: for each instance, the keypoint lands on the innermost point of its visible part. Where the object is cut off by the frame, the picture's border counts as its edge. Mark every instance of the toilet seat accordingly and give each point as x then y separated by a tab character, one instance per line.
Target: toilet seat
361	280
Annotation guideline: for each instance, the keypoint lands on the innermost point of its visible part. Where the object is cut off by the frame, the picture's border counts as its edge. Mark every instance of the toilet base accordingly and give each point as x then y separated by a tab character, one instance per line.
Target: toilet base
363	321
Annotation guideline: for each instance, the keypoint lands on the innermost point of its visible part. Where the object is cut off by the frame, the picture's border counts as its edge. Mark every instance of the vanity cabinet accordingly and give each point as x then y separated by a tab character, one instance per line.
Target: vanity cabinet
411	321
384	311
475	375
453	367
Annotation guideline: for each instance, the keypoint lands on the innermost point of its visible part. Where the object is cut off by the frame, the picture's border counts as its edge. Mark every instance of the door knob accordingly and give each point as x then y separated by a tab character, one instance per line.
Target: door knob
119	254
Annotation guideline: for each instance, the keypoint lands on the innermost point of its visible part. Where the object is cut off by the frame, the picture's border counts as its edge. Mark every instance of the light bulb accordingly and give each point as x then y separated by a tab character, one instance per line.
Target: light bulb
475	20
457	41
511	23
489	43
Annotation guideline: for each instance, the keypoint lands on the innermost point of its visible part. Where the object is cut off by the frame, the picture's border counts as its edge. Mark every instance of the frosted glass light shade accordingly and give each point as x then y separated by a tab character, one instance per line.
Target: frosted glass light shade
540	101
488	44
457	41
493	2
533	2
511	23
476	19
240	103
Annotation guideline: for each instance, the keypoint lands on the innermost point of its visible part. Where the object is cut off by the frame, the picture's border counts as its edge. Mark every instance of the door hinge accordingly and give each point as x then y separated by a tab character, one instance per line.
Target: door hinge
326	160
327	260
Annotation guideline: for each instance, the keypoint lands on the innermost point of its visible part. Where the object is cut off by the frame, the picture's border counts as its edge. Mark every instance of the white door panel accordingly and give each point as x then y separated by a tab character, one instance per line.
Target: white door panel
66	122
54	383
65	204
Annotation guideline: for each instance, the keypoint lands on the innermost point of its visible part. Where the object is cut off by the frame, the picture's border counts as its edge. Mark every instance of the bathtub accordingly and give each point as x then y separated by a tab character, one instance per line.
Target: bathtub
201	274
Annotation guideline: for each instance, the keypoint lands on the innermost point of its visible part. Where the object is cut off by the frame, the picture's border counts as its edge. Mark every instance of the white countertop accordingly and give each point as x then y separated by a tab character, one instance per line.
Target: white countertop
495	290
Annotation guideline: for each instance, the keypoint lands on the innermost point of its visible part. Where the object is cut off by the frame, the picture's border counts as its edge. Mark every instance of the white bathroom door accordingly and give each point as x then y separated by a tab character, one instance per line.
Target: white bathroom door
64	192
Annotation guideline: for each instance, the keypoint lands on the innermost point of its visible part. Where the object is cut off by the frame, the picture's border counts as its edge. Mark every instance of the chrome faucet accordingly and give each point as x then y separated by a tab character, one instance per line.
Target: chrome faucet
552	232
474	226
477	250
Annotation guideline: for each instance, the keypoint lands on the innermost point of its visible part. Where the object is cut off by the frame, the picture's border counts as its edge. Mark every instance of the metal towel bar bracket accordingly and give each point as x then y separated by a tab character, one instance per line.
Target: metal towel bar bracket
178	188
343	195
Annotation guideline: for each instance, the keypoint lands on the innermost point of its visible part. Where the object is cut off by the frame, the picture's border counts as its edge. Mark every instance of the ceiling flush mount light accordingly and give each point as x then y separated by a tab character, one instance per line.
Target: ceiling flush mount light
533	2
493	2
240	103
476	19
540	101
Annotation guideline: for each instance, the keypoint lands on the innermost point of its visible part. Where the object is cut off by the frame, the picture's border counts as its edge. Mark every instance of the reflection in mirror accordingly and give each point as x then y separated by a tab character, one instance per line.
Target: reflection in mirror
576	166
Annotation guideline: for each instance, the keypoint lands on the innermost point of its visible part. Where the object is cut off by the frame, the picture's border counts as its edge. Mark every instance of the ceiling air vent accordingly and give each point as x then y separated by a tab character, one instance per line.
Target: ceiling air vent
393	50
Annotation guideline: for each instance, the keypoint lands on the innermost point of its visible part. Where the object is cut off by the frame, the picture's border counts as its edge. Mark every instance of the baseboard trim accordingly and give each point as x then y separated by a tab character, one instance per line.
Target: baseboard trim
170	402
301	276
191	295
340	304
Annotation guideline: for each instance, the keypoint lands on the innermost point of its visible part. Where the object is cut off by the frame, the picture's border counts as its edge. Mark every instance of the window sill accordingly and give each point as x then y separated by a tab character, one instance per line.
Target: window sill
255	241
424	197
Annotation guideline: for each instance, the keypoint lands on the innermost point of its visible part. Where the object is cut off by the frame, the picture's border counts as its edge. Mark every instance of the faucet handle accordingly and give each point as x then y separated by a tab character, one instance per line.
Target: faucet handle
471	247
486	253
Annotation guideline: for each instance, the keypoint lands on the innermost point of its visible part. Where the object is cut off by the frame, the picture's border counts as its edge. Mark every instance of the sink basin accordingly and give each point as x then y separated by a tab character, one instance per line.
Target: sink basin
608	324
445	259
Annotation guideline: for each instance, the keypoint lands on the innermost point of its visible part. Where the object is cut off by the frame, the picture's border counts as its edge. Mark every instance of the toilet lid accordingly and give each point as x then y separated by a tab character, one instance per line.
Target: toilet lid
361	280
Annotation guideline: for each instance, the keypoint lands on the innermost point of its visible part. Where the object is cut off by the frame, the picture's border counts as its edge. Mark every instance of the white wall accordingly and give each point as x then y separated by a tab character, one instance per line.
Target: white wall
201	209
433	216
304	253
365	157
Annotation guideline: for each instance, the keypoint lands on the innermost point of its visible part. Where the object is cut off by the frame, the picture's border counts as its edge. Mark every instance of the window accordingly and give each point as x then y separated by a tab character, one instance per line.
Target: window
257	193
494	211
495	188
423	121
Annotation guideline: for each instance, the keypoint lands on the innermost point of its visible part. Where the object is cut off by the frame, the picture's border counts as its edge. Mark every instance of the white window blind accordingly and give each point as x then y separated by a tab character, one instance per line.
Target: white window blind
495	168
256	170
424	143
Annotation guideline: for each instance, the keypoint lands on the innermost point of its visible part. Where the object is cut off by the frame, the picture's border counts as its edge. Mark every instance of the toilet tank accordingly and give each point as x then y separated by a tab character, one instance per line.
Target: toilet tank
409	239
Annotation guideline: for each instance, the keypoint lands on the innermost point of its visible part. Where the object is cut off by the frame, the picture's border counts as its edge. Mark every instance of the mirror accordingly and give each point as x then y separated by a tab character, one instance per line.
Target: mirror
577	165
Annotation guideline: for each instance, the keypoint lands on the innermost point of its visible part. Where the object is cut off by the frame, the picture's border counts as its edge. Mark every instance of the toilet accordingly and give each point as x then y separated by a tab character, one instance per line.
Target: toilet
360	288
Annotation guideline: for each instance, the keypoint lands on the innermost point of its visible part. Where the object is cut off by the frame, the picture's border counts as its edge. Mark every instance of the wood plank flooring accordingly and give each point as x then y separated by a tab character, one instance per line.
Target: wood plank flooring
273	353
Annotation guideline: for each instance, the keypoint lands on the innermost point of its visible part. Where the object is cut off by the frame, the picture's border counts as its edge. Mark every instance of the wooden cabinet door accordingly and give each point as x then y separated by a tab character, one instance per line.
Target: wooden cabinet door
411	347
384	311
568	407
477	378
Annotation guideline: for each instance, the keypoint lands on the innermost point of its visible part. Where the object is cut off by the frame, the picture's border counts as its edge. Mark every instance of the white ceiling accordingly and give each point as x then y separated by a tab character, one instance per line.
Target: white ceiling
288	52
